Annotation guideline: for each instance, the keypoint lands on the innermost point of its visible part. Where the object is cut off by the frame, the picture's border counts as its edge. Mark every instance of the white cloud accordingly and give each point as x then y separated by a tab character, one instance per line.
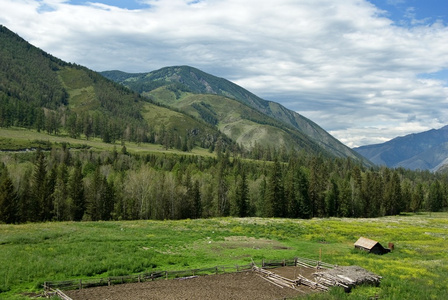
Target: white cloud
340	63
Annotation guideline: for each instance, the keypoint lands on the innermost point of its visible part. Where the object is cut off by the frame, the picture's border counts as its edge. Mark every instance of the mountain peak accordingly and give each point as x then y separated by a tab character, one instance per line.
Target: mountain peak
424	150
190	79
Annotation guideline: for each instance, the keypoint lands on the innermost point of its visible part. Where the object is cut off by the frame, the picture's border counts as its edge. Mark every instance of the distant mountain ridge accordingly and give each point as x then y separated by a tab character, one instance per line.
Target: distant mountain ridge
189	79
425	151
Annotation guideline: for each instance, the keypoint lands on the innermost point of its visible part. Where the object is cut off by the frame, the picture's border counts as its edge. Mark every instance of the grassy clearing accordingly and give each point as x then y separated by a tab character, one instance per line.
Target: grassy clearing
13	139
33	253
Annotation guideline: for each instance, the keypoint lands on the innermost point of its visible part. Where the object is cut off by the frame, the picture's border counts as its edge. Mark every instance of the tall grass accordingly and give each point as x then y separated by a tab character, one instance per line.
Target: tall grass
33	253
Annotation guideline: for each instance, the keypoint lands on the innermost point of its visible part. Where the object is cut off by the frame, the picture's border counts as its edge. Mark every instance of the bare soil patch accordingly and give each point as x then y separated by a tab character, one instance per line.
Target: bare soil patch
235	286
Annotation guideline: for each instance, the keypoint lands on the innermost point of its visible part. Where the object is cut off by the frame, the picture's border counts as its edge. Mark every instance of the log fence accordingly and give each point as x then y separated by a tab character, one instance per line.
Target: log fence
191	273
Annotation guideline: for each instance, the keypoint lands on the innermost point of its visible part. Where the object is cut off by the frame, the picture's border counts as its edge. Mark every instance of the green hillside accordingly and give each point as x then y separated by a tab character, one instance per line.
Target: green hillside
242	123
184	79
41	92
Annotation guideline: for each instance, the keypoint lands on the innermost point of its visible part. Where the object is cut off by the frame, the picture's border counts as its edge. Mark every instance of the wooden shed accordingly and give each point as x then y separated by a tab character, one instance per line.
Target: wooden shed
370	246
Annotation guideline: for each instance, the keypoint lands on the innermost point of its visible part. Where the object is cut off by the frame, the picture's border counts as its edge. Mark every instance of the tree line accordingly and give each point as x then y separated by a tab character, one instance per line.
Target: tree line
63	185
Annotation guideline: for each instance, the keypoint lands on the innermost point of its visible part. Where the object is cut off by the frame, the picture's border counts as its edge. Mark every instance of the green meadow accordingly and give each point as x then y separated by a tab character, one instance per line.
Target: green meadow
31	254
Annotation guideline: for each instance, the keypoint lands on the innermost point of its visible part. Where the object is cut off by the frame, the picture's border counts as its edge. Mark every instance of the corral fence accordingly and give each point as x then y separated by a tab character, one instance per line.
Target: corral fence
94	282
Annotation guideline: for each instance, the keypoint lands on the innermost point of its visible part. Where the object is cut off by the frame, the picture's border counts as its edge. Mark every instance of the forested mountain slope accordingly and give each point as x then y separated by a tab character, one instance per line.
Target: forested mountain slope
39	91
425	151
95	181
182	79
242	123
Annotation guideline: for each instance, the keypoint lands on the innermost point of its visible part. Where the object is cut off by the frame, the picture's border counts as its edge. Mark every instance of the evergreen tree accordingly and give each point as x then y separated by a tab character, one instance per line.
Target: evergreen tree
197	204
332	198
9	210
107	200
60	200
316	187
345	199
435	197
242	196
356	186
25	197
417	198
223	204
87	126
39	188
48	201
305	208
76	192
93	197
406	194
275	198
393	195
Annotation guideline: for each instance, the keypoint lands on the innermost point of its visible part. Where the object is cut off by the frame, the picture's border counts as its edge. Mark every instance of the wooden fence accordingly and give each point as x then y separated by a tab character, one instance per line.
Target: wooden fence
93	282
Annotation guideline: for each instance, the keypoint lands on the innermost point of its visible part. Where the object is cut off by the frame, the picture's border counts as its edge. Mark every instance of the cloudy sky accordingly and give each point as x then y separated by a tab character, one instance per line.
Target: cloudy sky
366	71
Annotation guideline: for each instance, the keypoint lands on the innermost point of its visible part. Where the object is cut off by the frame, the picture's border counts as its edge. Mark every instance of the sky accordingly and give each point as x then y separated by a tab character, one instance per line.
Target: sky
364	70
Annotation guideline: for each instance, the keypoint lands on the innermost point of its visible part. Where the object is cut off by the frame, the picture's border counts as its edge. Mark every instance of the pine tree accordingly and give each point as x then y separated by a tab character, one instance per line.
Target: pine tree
242	196
345	199
316	187
76	192
107	200
223	205
39	188
48	201
187	203
356	204
435	197
332	198
9	209
197	204
60	198
93	197
417	198
275	198
393	195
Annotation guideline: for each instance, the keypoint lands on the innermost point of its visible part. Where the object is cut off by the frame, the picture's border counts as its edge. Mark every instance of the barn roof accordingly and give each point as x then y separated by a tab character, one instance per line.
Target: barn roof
365	243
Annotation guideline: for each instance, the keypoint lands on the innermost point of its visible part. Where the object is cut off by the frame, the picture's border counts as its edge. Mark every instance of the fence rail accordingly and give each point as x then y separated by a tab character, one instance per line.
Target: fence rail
93	282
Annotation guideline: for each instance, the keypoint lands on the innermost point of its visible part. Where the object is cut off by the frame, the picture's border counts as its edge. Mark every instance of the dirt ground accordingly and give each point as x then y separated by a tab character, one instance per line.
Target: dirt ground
235	286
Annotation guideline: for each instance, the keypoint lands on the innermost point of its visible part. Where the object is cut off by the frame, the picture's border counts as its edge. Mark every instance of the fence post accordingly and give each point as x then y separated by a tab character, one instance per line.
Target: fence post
80	284
295	261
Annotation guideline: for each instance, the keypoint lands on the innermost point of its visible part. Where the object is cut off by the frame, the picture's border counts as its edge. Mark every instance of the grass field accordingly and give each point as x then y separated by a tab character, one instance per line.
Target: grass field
13	139
418	268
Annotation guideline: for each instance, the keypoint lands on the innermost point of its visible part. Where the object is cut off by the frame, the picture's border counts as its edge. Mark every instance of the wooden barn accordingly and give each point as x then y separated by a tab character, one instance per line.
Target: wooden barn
370	246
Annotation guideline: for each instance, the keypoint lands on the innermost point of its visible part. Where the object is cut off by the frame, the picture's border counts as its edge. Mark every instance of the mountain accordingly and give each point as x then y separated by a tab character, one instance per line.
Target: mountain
40	91
425	151
179	86
181	107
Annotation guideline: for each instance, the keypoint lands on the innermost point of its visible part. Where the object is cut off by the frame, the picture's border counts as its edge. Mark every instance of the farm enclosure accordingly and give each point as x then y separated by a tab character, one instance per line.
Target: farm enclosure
242	285
35	253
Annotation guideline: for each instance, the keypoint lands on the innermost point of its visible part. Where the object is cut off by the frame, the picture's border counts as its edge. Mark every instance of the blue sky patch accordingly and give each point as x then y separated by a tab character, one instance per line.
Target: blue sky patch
440	75
130	4
410	13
